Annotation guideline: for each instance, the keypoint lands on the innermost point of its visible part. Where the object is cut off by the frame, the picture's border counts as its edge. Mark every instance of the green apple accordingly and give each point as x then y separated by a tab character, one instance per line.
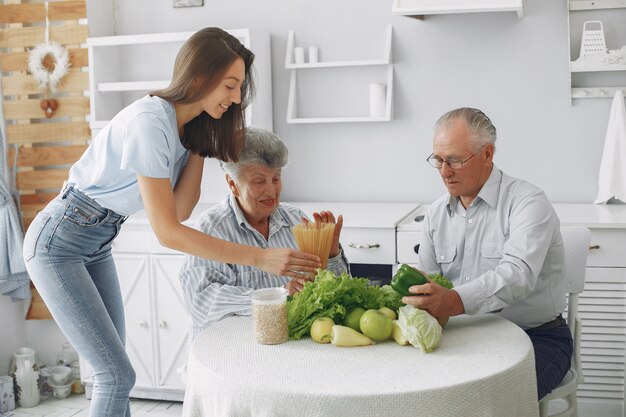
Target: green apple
388	312
376	325
321	329
353	318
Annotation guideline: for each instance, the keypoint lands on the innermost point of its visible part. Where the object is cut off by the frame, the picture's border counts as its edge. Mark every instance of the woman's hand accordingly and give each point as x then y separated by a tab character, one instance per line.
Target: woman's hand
329	217
288	262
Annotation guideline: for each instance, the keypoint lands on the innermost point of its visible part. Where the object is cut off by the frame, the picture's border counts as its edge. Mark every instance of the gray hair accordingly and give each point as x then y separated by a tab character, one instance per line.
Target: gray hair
260	146
482	131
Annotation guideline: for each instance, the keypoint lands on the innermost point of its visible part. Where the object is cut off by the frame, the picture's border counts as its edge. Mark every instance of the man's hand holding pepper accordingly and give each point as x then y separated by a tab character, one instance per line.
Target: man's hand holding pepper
435	299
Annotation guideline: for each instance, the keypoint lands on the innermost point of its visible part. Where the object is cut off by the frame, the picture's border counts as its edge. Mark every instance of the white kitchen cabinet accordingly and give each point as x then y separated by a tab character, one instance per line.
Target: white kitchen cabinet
419	8
602	306
156	317
385	61
124	68
595	69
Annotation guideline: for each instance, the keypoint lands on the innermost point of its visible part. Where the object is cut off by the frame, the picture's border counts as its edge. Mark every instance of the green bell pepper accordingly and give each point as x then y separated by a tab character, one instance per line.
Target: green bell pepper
406	277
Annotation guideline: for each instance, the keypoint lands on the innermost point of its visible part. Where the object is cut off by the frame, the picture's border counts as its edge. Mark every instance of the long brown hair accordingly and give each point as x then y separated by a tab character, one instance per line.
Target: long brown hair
207	55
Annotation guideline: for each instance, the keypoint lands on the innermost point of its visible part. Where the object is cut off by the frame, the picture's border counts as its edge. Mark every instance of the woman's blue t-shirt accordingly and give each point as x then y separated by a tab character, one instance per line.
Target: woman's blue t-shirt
142	139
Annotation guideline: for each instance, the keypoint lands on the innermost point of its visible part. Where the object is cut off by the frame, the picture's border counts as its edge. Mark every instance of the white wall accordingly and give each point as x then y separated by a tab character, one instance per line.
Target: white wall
516	70
13	333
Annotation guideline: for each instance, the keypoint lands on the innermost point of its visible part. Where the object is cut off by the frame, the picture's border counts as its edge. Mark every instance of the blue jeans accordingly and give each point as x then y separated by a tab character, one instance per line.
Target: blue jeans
553	356
67	250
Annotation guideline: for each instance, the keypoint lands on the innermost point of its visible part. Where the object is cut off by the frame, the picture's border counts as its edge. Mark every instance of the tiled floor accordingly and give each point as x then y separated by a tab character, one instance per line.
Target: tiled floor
78	406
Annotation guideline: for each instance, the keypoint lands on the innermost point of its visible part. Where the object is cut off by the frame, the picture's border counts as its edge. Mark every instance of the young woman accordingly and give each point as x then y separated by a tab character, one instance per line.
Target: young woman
149	156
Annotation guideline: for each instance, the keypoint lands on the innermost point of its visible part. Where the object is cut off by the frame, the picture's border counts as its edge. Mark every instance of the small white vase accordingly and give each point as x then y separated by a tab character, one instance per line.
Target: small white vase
26	377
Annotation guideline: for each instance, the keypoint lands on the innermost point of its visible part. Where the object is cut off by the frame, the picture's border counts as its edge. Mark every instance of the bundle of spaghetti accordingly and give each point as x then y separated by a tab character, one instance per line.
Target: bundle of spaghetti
315	238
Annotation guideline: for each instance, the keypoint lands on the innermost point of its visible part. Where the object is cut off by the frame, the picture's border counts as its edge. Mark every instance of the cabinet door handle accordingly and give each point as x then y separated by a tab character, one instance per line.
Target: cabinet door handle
416	248
594	247
143	324
163	324
364	245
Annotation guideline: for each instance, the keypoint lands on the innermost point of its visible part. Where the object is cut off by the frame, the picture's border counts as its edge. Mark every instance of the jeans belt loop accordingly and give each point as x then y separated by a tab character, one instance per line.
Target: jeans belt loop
66	190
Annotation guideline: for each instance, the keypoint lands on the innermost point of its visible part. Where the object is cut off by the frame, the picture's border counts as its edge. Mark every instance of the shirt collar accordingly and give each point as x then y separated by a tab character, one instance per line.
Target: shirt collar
488	193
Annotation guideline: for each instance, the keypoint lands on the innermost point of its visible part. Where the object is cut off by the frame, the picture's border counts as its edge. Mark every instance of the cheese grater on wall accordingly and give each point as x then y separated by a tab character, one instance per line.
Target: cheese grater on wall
593	39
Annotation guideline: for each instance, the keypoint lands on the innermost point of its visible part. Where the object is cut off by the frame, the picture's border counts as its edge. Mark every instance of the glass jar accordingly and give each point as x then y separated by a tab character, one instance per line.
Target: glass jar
77	385
67	356
269	315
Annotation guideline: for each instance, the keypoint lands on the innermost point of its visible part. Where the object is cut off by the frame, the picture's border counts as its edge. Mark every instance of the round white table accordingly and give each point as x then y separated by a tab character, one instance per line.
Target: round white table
484	366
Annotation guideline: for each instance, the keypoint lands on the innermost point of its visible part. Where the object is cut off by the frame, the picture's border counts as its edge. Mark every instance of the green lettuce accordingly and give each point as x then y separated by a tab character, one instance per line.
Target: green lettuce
333	296
420	328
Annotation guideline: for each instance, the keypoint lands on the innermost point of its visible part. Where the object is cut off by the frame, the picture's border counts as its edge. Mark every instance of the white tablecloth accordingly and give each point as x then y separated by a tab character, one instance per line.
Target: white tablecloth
483	367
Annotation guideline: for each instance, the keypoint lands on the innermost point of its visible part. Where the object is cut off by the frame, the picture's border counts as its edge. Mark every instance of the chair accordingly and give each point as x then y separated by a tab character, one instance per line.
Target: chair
576	243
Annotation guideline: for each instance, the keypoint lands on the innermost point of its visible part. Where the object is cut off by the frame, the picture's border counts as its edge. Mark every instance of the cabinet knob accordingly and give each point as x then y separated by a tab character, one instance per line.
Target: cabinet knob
143	324
163	324
594	247
364	245
416	248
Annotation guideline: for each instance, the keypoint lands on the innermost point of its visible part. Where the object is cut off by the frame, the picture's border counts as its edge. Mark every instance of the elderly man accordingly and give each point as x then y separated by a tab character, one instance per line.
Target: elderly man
498	239
252	215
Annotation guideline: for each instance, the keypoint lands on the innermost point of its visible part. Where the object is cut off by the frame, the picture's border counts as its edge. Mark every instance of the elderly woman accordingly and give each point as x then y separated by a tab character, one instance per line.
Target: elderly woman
252	215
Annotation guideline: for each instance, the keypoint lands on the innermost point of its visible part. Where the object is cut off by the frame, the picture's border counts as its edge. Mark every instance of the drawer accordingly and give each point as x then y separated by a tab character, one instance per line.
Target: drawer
369	246
408	246
609	248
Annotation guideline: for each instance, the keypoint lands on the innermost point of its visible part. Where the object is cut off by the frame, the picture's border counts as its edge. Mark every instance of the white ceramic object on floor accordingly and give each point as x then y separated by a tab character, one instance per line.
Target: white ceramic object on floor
60	375
26	377
61	391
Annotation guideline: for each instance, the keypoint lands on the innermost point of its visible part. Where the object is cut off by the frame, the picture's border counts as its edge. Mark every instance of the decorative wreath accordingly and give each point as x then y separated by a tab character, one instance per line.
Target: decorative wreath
49	63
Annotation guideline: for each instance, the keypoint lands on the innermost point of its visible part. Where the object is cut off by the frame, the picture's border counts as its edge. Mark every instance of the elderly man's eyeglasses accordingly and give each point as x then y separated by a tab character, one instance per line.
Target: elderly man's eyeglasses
437	162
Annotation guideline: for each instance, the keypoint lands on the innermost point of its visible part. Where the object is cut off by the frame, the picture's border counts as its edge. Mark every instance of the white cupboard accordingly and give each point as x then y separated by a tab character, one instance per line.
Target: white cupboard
156	318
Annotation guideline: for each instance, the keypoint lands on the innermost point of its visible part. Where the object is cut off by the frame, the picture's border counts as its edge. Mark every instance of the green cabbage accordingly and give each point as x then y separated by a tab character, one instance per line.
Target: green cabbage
420	328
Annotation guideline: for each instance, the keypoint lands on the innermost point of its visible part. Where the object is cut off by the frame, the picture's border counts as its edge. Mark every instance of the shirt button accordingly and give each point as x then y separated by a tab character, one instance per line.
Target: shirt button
441	257
470	221
467	278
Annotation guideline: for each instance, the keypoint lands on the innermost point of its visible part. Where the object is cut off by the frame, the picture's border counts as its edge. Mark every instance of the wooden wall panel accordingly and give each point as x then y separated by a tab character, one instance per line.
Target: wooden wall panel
45	148
40	156
29	108
48	132
18	61
36	12
31	36
41	179
74	81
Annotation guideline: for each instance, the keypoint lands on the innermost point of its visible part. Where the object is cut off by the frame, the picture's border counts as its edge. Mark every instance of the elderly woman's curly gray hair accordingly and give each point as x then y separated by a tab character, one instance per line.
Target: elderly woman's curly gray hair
260	146
482	131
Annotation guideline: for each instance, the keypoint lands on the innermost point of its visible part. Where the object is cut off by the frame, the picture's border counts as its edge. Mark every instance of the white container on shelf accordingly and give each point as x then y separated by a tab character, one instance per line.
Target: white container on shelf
298	53
377	99
313	54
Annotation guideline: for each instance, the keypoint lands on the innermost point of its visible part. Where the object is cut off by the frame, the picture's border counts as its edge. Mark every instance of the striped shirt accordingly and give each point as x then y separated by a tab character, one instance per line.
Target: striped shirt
503	254
215	290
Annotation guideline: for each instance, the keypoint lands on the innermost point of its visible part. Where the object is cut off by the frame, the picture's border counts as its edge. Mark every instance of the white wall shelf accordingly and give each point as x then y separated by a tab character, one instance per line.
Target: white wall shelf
418	8
582	66
596	92
292	112
593	63
123	68
596	4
